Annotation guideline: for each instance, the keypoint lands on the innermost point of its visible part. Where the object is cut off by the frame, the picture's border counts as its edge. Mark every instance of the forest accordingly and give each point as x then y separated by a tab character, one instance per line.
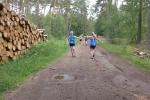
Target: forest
119	21
56	16
124	24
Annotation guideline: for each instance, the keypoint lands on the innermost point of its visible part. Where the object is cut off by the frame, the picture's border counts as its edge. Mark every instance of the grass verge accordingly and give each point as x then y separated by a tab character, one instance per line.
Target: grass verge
127	53
13	73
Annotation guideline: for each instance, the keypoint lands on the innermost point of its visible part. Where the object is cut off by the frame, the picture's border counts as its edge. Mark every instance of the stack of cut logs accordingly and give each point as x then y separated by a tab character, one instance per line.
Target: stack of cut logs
16	34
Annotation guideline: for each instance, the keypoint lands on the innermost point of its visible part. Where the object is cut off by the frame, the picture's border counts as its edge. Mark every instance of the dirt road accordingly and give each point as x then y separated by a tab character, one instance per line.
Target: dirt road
107	78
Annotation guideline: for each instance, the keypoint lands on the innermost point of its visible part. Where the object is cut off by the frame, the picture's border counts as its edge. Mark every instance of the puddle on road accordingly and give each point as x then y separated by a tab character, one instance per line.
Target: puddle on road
63	77
67	77
59	77
101	54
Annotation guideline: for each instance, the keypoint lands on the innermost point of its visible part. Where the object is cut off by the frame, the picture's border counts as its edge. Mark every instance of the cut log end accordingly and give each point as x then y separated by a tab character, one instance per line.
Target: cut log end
16	34
1	6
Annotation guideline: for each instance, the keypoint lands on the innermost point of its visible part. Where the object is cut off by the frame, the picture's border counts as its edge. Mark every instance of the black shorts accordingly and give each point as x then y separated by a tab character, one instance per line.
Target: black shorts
92	47
71	44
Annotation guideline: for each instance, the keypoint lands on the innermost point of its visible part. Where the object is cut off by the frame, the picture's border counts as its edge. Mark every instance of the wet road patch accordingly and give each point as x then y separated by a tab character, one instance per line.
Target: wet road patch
68	77
63	77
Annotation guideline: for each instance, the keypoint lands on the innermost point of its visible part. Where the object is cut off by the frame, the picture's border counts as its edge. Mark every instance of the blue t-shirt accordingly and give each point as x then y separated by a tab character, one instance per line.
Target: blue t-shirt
72	39
93	41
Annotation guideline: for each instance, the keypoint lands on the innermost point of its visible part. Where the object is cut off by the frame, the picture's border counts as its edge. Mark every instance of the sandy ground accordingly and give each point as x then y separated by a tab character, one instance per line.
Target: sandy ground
108	77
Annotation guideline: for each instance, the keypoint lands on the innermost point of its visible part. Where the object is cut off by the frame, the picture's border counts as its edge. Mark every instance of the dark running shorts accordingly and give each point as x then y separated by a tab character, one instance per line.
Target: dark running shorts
71	44
92	47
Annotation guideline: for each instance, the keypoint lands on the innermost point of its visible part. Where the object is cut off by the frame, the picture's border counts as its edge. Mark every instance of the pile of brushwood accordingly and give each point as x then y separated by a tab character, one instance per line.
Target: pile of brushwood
142	53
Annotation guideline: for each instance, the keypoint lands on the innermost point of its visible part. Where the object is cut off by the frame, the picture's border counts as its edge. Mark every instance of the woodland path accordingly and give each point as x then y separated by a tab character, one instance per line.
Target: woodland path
108	77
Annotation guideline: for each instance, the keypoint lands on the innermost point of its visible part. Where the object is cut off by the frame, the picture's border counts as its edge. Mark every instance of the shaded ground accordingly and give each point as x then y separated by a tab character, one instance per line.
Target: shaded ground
108	77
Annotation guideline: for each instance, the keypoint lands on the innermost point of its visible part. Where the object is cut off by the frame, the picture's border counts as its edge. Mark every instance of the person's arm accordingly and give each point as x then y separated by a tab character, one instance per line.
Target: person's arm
96	37
76	37
89	37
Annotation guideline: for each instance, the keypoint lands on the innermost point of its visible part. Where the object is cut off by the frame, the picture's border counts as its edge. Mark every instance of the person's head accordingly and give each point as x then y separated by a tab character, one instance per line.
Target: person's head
71	32
93	34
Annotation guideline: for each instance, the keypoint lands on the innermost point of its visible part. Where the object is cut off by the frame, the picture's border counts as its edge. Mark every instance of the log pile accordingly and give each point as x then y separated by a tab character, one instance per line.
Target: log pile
16	34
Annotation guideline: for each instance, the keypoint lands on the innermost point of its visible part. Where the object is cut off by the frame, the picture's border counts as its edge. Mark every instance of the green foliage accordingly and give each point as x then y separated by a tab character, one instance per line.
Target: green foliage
120	22
57	26
111	25
70	15
78	23
81	24
126	52
15	72
54	25
37	20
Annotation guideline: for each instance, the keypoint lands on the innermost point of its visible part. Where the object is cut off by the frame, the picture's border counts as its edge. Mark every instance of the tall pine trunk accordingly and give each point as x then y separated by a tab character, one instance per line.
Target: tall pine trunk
37	13
21	7
52	6
116	3
8	3
148	34
139	33
27	7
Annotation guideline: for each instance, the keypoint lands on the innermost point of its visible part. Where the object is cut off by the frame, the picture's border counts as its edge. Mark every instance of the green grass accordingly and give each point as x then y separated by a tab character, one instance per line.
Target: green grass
13	73
127	53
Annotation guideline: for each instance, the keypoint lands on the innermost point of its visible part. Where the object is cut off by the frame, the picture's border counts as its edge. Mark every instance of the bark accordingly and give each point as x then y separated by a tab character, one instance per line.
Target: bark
27	7
21	7
148	34
116	3
8	3
16	34
37	8
139	36
37	12
52	6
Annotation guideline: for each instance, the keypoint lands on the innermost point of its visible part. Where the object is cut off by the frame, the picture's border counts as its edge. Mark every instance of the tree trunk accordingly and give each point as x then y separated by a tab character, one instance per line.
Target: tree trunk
37	12
8	3
52	6
27	7
139	36
21	7
116	3
37	9
148	34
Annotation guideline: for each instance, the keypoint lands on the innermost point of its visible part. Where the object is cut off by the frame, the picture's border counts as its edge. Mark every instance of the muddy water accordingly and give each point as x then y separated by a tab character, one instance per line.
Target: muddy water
64	77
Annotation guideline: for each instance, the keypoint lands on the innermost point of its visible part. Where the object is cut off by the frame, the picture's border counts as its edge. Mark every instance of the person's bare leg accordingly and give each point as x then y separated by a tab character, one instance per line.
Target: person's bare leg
91	53
71	49
74	54
86	43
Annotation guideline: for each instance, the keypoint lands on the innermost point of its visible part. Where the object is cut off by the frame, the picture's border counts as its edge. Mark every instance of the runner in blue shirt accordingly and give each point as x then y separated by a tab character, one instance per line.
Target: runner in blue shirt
72	43
92	44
